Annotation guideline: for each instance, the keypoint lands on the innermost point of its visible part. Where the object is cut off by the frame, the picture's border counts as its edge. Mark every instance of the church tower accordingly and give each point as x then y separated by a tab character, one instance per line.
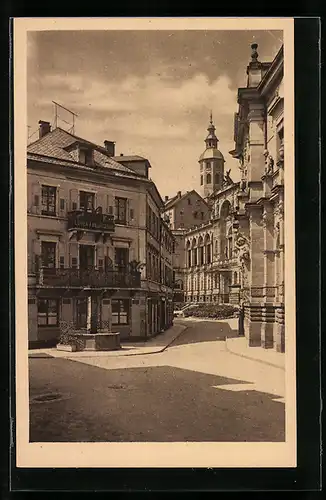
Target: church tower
211	164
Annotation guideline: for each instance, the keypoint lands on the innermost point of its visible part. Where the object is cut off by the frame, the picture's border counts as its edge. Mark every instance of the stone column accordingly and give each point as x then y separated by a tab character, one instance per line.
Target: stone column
89	314
280	320
256	277
267	340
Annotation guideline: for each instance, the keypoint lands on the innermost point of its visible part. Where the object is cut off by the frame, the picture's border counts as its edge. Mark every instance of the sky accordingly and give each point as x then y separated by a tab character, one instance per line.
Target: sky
149	91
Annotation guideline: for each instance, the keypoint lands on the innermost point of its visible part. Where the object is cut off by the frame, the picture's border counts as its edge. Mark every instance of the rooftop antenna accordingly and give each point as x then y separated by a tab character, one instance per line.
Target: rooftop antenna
57	108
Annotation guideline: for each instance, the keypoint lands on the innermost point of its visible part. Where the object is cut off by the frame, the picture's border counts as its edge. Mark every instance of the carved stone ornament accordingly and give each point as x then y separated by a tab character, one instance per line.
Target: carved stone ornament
269	163
267	218
242	247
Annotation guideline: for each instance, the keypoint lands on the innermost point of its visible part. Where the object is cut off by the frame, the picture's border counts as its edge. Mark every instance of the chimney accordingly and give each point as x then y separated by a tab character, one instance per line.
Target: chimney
44	128
179	194
110	147
166	198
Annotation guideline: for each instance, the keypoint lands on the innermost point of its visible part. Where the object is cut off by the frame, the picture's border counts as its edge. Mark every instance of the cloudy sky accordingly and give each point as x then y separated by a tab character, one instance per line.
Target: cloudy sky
150	91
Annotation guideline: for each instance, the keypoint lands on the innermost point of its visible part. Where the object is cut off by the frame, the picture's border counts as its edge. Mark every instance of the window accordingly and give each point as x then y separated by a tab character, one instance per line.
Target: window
120	311
217	178
189	201
201	256
121	210
49	200
189	258
121	258
208	178
48	254
86	156
201	180
208	254
86	201
195	215
81	313
62	204
48	312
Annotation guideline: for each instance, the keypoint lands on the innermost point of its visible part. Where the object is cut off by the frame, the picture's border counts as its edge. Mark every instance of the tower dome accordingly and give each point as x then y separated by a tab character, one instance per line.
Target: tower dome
211	163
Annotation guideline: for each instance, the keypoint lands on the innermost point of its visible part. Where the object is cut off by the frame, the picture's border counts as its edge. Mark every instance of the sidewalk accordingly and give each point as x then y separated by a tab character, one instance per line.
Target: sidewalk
154	345
239	346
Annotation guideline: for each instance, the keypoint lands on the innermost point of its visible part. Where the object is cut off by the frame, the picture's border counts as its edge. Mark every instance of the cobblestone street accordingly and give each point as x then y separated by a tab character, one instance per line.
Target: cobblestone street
195	390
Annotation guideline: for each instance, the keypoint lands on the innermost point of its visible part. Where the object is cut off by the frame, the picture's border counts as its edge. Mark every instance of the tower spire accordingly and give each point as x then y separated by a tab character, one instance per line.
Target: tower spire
211	140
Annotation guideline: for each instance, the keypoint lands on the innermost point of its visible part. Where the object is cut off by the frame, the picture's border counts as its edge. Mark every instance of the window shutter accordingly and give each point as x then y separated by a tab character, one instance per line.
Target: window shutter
73	198
73	255
61	202
110	204
100	256
100	201
131	211
36	198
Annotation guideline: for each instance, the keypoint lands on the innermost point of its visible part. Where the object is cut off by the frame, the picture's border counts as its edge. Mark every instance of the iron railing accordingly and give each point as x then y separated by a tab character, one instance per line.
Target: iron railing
94	220
93	278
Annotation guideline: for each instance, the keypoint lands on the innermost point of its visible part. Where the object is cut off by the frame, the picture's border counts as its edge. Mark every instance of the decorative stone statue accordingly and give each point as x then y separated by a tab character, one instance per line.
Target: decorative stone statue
269	163
227	179
242	246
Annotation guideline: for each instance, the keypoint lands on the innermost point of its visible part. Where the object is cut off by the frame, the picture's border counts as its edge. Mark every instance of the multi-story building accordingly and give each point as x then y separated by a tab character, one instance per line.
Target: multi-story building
259	132
187	210
182	212
94	253
238	255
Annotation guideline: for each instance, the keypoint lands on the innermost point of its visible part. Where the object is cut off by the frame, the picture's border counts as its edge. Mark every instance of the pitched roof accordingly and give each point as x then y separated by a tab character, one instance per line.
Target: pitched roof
53	145
123	158
173	201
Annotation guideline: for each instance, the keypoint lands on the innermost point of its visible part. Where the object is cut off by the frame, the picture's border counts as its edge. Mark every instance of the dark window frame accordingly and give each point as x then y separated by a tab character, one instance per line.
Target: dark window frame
126	310
45	262
86	201
47	324
49	200
121	210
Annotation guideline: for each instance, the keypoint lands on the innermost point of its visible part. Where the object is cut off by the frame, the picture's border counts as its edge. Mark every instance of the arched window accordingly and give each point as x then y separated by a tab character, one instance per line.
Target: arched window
208	178
217	178
201	180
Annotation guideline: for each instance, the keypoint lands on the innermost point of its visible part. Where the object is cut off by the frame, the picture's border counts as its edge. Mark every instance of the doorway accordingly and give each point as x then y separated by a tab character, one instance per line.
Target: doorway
86	256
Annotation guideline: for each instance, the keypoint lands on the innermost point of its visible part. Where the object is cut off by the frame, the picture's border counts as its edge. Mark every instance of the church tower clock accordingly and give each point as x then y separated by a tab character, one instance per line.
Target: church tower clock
211	164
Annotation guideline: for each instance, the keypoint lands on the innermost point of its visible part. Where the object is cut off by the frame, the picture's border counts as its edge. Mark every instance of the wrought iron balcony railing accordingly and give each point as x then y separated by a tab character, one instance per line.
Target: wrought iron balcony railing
90	221
88	278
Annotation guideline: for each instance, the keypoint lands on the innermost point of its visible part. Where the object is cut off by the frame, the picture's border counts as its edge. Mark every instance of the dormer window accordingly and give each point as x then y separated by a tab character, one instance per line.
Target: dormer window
86	156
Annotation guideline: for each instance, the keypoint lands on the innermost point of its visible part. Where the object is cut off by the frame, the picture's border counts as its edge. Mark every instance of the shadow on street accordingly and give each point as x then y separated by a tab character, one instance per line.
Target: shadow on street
204	331
146	404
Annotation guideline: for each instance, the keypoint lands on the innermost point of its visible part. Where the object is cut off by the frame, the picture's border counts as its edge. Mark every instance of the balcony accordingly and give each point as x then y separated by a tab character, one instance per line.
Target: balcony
90	221
87	278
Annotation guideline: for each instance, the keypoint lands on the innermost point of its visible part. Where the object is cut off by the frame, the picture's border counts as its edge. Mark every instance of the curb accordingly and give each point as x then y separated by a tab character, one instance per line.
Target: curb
253	359
44	355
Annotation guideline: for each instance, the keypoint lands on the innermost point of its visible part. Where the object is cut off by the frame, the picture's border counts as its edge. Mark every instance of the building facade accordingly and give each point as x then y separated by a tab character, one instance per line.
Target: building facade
238	255
92	242
183	212
259	146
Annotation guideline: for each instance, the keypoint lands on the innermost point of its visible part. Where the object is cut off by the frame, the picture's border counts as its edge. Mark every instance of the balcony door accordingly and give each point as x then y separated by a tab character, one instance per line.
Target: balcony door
121	259
86	256
48	254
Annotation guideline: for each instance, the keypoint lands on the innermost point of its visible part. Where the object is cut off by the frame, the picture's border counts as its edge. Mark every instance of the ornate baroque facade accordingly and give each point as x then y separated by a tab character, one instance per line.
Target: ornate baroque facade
238	256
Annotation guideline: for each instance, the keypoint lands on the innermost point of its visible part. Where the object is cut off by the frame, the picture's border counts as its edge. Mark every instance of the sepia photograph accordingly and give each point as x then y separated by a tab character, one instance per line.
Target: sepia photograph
155	262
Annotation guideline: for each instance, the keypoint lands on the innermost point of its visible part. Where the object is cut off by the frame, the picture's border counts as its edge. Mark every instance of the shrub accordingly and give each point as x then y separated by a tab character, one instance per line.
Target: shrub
213	311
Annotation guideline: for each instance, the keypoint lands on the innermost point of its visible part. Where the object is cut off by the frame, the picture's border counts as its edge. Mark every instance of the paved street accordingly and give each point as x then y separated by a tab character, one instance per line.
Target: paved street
195	390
